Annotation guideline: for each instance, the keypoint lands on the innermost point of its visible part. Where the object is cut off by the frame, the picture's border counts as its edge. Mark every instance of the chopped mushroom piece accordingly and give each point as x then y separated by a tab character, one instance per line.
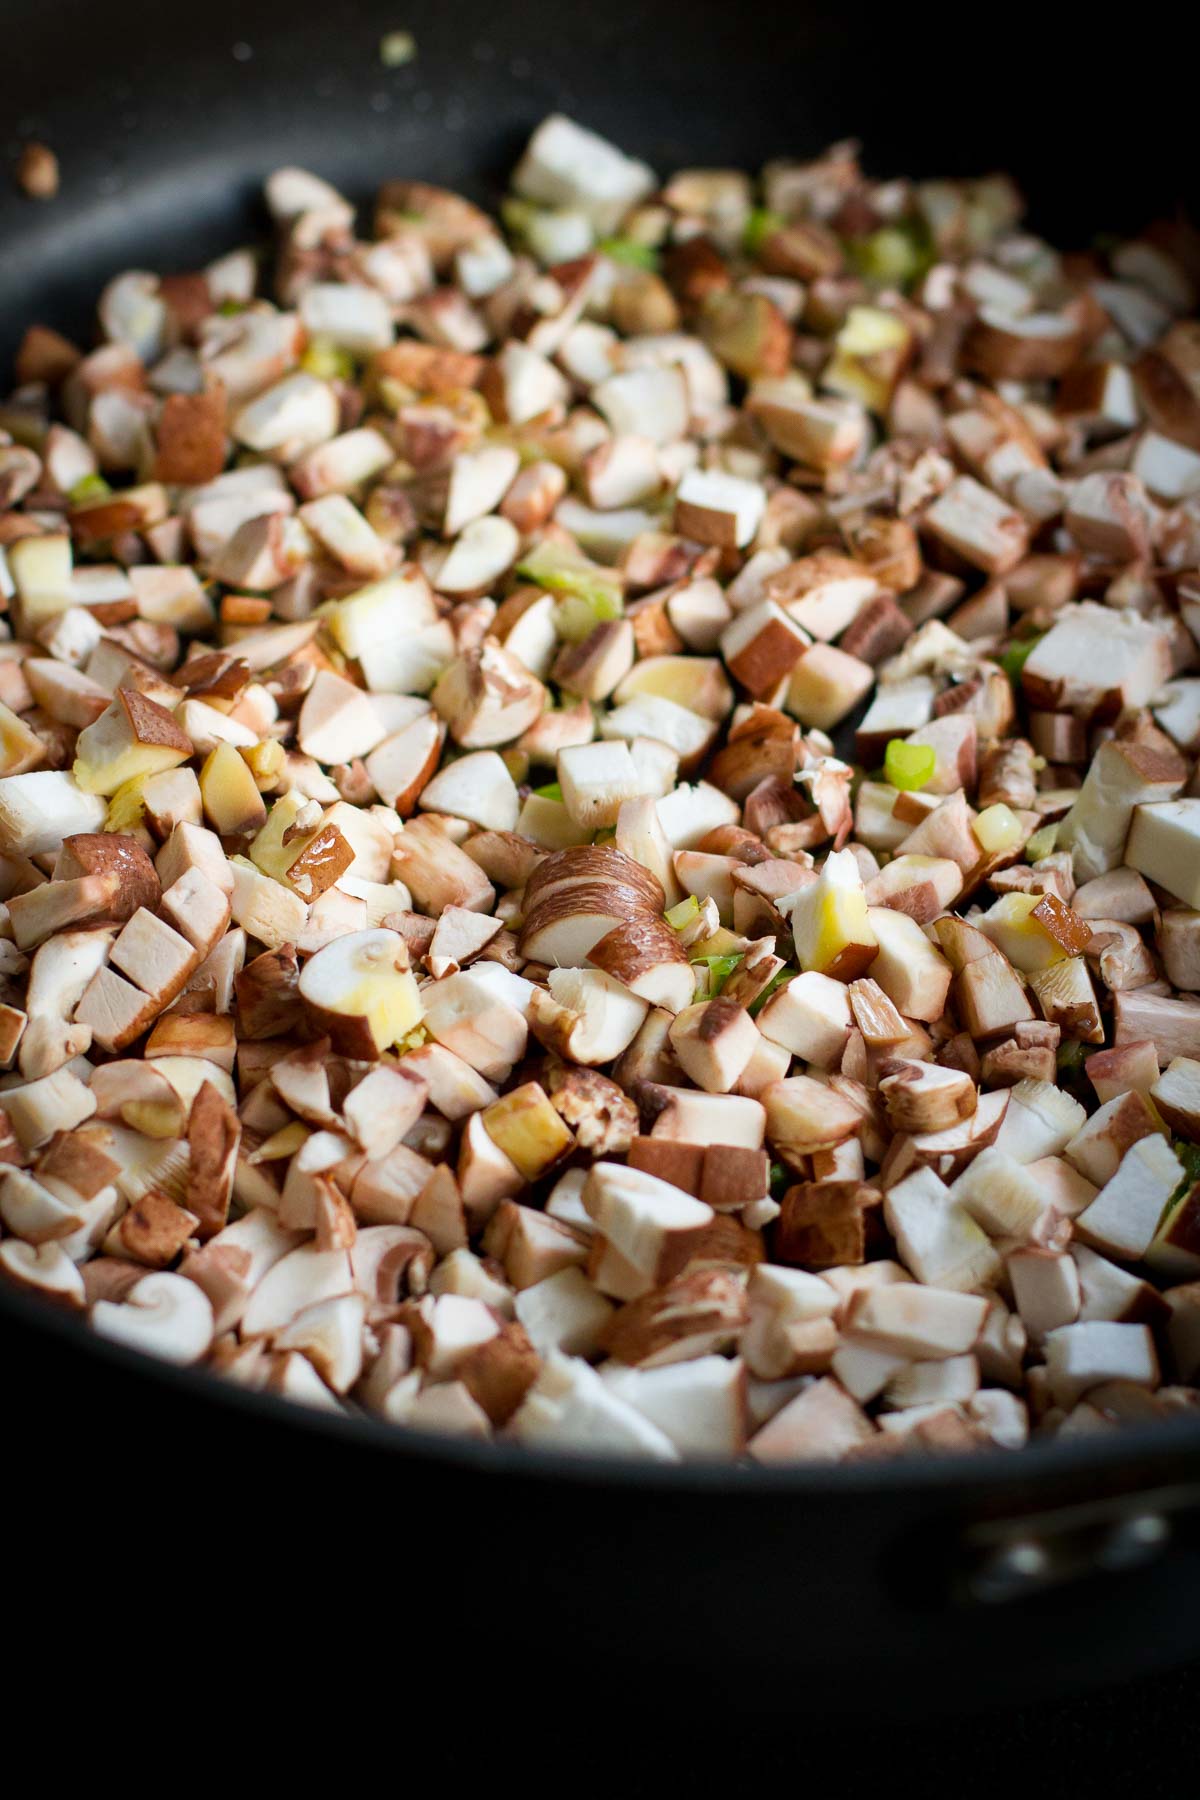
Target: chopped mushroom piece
823	1424
1124	1216
361	991
978	526
162	1314
922	1097
714	1041
1082	1356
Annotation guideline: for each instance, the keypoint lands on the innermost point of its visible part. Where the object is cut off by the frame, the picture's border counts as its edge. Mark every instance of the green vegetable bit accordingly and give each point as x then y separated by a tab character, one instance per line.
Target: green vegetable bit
92	487
1189	1156
589	594
629	252
683	914
773	986
759	227
551	791
781	1180
328	361
1041	843
516	214
1018	654
893	256
909	767
1071	1061
575	618
720	968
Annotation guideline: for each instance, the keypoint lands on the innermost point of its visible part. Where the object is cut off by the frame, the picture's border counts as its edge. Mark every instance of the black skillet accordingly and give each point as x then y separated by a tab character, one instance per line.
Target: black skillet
903	1586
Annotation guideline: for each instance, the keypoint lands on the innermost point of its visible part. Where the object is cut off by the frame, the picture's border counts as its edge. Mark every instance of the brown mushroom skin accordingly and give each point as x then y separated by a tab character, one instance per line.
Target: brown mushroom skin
594	862
642	942
104	853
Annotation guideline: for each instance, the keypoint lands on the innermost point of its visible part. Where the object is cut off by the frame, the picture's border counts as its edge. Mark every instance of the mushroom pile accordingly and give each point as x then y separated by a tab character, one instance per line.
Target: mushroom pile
599	818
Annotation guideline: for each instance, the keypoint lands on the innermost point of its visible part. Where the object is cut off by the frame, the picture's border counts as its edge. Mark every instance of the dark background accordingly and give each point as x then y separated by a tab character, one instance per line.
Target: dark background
166	119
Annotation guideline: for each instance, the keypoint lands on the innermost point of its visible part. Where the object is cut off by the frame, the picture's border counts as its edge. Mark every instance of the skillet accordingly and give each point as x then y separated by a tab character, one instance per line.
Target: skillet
923	1584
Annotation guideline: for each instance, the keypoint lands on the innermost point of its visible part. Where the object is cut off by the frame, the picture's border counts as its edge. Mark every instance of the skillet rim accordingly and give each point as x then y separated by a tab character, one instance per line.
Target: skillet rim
1029	1470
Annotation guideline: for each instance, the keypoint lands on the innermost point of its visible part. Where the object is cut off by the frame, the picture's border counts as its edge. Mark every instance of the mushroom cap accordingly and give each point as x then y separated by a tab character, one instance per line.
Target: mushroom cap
645	955
564	926
360	991
164	1314
590	863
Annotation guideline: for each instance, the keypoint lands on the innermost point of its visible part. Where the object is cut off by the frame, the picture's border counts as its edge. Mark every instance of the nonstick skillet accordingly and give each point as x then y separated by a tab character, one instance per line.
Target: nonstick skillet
922	1585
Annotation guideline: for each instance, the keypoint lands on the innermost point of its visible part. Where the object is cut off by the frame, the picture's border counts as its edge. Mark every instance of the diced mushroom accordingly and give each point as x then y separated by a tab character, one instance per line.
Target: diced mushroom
1082	1356
714	1041
1164	845
936	1236
487	697
588	1016
1123	776
570	1405
361	991
718	509
823	1424
466	1017
1124	1216
162	1314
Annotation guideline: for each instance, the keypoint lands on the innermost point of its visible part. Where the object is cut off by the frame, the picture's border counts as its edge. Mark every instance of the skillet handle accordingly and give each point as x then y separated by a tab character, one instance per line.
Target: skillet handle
1012	1559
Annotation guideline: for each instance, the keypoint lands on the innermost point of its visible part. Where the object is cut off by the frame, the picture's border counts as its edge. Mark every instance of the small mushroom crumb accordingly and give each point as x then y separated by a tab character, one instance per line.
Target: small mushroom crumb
397	48
599	813
37	171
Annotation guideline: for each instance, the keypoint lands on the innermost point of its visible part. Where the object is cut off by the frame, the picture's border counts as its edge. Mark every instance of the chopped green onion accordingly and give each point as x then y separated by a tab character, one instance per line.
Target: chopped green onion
773	986
683	914
517	215
1189	1156
909	767
575	618
551	791
1041	843
760	225
781	1179
229	309
91	487
629	252
327	361
589	593
893	256
1071	1060
1018	654
720	968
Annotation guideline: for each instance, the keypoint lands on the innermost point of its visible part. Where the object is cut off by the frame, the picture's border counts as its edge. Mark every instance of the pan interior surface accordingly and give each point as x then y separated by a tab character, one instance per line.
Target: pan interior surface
165	129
